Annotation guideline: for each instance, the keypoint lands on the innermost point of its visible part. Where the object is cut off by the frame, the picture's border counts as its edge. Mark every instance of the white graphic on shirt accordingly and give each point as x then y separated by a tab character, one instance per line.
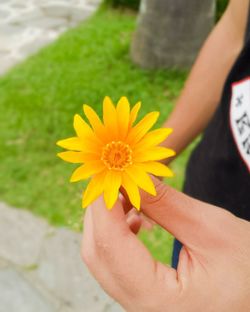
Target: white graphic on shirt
240	118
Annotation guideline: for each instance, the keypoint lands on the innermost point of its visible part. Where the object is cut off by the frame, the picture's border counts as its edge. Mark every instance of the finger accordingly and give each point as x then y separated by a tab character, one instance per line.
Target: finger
91	258
135	222
146	223
191	221
128	209
123	255
127	206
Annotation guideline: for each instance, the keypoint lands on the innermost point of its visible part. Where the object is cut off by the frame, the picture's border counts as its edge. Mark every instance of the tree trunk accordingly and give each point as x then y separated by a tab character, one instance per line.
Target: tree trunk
170	32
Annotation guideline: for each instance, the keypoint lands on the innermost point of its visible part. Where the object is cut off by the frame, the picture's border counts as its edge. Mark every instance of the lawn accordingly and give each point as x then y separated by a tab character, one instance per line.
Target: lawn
39	97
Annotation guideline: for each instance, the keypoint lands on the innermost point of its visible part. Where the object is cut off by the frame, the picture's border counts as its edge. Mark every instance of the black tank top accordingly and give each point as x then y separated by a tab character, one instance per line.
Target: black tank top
218	171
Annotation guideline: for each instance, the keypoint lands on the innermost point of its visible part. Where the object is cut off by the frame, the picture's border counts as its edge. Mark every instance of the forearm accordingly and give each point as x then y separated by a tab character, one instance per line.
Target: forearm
201	94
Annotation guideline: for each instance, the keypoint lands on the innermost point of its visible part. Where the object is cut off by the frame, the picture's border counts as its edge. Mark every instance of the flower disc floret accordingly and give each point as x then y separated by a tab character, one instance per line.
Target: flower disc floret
117	155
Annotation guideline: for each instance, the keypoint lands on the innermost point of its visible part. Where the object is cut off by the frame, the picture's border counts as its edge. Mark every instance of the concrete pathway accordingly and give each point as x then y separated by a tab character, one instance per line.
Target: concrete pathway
27	25
40	266
41	269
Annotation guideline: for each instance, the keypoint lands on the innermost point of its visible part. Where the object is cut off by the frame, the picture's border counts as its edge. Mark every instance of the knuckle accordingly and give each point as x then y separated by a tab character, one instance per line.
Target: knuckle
107	245
162	191
103	245
103	248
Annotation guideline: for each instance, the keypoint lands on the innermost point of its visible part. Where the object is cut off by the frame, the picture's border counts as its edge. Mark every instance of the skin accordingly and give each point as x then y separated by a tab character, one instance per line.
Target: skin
213	274
202	91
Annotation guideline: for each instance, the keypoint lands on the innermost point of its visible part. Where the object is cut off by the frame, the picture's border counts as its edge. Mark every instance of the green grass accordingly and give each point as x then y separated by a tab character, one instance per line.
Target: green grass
220	8
39	98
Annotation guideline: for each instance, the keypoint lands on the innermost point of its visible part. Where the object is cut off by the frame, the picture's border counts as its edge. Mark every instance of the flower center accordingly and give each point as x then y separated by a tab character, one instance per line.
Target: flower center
117	155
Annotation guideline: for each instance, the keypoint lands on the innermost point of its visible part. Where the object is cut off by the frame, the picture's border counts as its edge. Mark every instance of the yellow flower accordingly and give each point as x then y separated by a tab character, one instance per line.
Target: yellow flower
115	153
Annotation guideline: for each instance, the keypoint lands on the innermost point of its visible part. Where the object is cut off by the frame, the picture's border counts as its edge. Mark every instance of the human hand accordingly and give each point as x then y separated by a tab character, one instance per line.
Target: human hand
213	273
135	219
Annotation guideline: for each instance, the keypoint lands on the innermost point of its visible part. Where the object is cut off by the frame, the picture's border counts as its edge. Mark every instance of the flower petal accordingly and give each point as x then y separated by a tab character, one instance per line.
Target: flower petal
141	178
123	110
82	129
77	157
95	122
74	144
134	113
85	171
154	153
110	117
156	168
132	190
112	184
142	128
153	138
94	188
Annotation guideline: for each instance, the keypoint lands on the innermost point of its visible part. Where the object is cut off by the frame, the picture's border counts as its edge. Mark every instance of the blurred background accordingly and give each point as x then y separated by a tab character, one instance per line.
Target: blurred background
55	56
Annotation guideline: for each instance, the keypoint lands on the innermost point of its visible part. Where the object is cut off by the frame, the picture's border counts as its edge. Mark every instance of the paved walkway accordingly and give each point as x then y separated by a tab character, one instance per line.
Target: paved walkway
27	25
40	266
41	269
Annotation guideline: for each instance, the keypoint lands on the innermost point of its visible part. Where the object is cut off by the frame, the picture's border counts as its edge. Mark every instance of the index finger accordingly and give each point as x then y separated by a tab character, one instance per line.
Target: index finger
126	258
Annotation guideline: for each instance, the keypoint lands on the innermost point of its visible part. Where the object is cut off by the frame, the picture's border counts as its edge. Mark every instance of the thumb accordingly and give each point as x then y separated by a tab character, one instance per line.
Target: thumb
191	221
